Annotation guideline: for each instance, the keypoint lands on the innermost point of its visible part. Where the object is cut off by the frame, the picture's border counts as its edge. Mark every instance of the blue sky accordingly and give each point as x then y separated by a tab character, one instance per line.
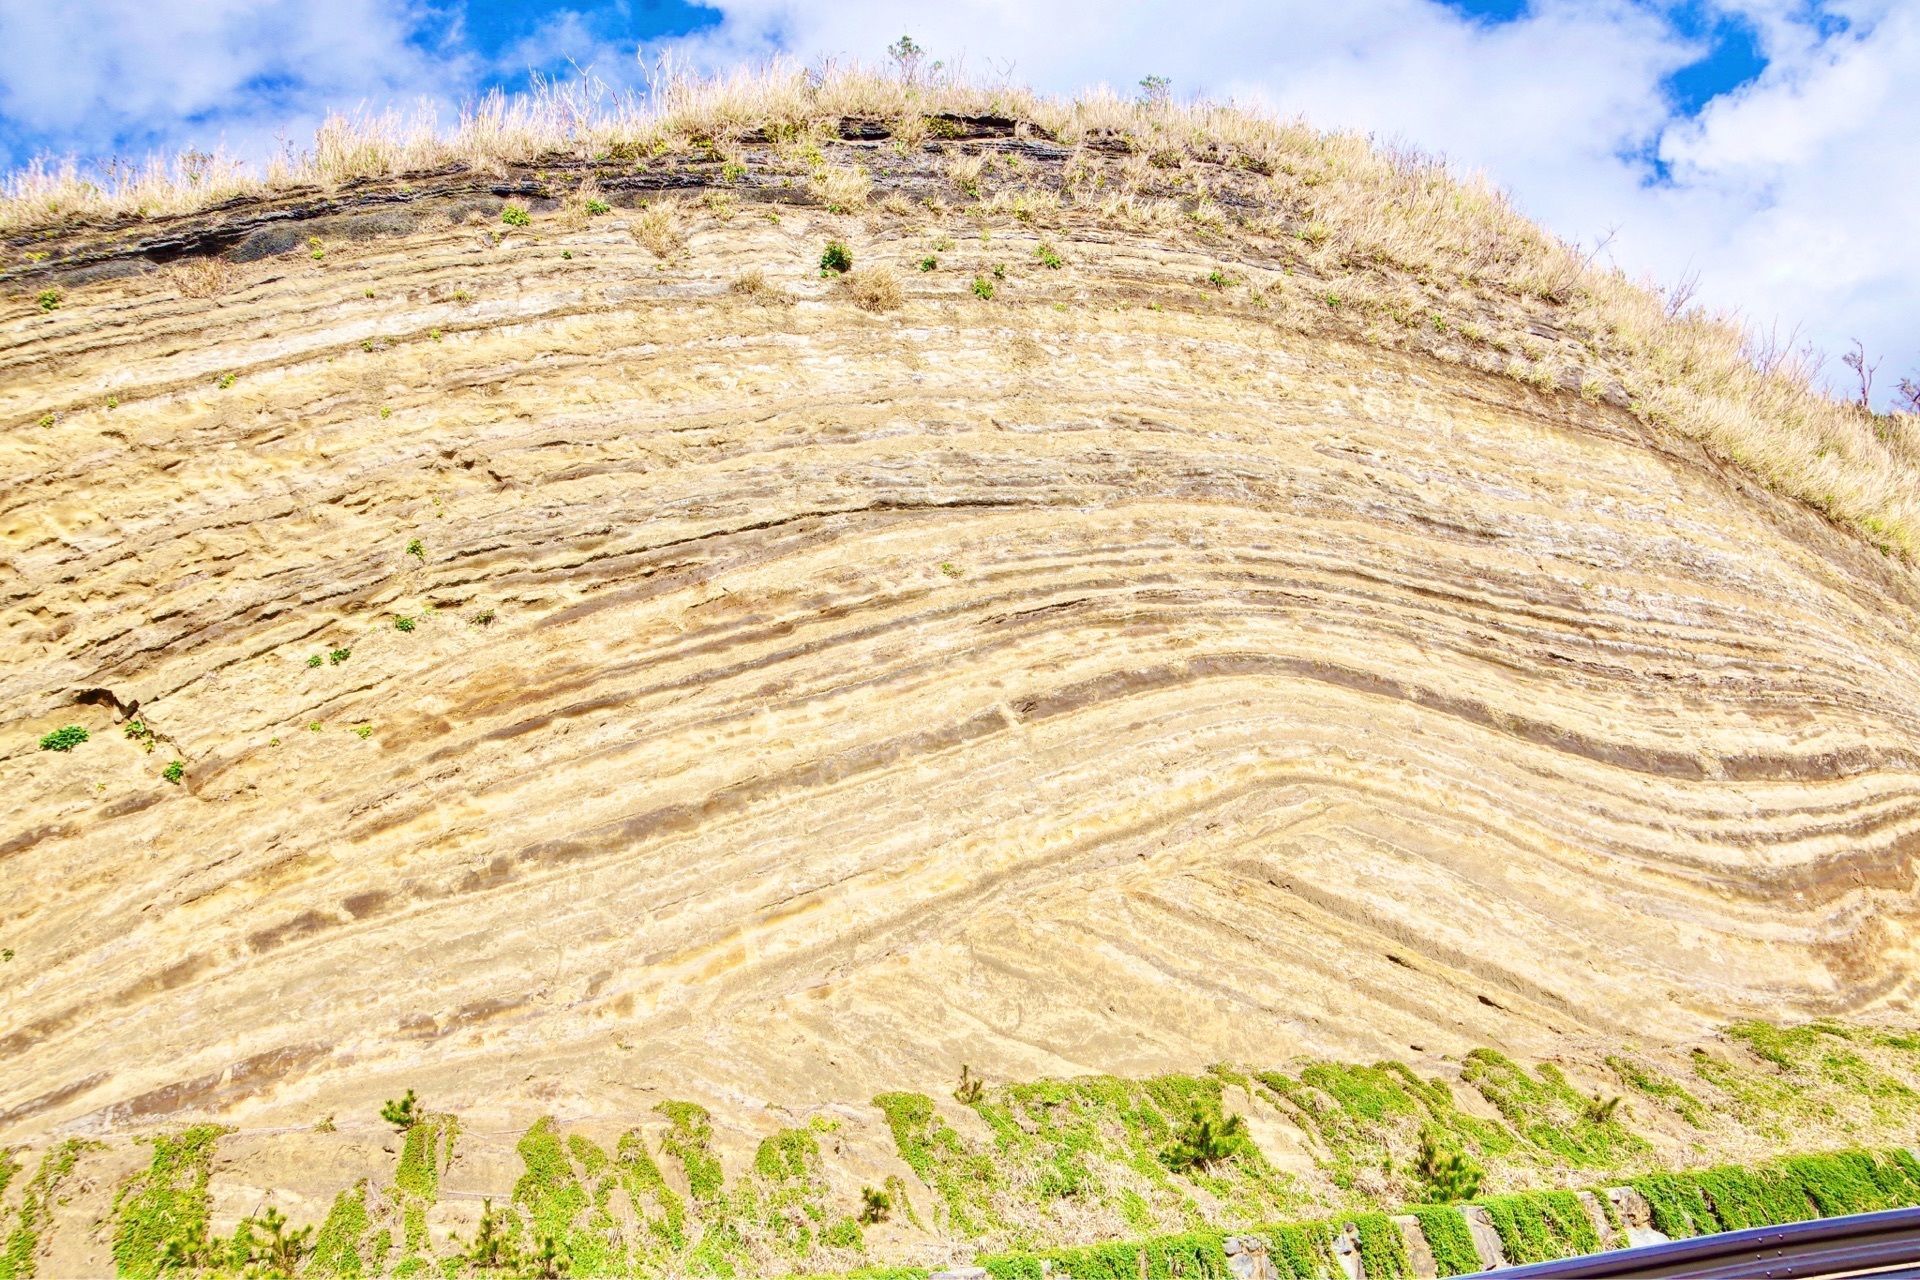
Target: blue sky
1769	146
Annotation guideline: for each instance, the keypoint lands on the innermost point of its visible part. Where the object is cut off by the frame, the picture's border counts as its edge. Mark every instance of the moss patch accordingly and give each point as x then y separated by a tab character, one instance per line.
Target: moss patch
336	1251
1448	1238
964	1178
162	1214
1368	1121
18	1257
1545	1109
1539	1226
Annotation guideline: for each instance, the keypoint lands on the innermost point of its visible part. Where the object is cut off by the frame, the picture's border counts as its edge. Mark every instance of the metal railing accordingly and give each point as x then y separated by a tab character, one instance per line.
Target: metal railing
1867	1244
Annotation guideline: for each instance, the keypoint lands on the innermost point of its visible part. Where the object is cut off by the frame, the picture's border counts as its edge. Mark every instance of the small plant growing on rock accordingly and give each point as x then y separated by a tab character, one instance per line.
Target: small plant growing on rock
971	1086
313	726
491	1249
753	283
929	263
319	250
49	299
113	402
313	660
875	1205
949	568
484	618
1202	1142
363	731
175	771
842	188
402	622
1447	1173
836	259
139	731
264	1247
983	288
1049	258
874	289
550	1261
227	380
46	420
597	207
516	216
65	738
338	656
417	550
402	1113
1601	1110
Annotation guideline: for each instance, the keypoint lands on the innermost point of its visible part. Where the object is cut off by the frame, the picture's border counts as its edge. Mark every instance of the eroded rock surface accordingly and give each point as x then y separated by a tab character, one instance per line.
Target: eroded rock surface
799	701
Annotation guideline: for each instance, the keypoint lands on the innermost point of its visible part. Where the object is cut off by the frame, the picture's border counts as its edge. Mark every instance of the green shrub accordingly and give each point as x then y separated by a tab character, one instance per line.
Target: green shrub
983	288
515	216
263	1246
929	263
65	738
1049	258
314	660
336	656
402	622
597	207
49	299
175	771
1203	1142
837	259
1447	1171
402	1113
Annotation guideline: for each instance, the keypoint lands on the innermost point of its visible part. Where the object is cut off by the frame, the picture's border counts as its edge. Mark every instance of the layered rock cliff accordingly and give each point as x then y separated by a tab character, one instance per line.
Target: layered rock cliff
613	659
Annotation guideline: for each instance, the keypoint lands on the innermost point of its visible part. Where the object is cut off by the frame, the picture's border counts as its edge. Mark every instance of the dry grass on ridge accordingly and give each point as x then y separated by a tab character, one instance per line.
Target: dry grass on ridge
1335	197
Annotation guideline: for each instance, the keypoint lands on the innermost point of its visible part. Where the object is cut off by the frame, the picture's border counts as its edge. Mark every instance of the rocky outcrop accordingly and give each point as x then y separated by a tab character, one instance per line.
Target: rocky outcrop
605	659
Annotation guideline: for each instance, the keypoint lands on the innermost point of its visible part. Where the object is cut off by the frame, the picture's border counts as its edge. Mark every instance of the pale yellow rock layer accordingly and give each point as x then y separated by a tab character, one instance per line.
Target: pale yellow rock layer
1055	688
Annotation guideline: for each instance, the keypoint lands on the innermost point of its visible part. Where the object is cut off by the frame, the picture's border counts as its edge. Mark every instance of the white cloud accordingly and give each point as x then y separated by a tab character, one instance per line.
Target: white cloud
1794	197
99	76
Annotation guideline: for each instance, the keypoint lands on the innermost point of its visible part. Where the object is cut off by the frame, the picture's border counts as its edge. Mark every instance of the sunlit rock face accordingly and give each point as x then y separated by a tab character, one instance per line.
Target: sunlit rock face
599	678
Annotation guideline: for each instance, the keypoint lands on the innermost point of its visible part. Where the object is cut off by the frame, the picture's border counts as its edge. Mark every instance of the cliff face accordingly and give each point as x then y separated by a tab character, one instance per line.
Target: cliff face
609	663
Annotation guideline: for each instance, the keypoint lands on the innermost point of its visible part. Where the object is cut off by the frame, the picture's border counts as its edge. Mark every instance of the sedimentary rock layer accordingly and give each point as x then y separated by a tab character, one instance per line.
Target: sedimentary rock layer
801	700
